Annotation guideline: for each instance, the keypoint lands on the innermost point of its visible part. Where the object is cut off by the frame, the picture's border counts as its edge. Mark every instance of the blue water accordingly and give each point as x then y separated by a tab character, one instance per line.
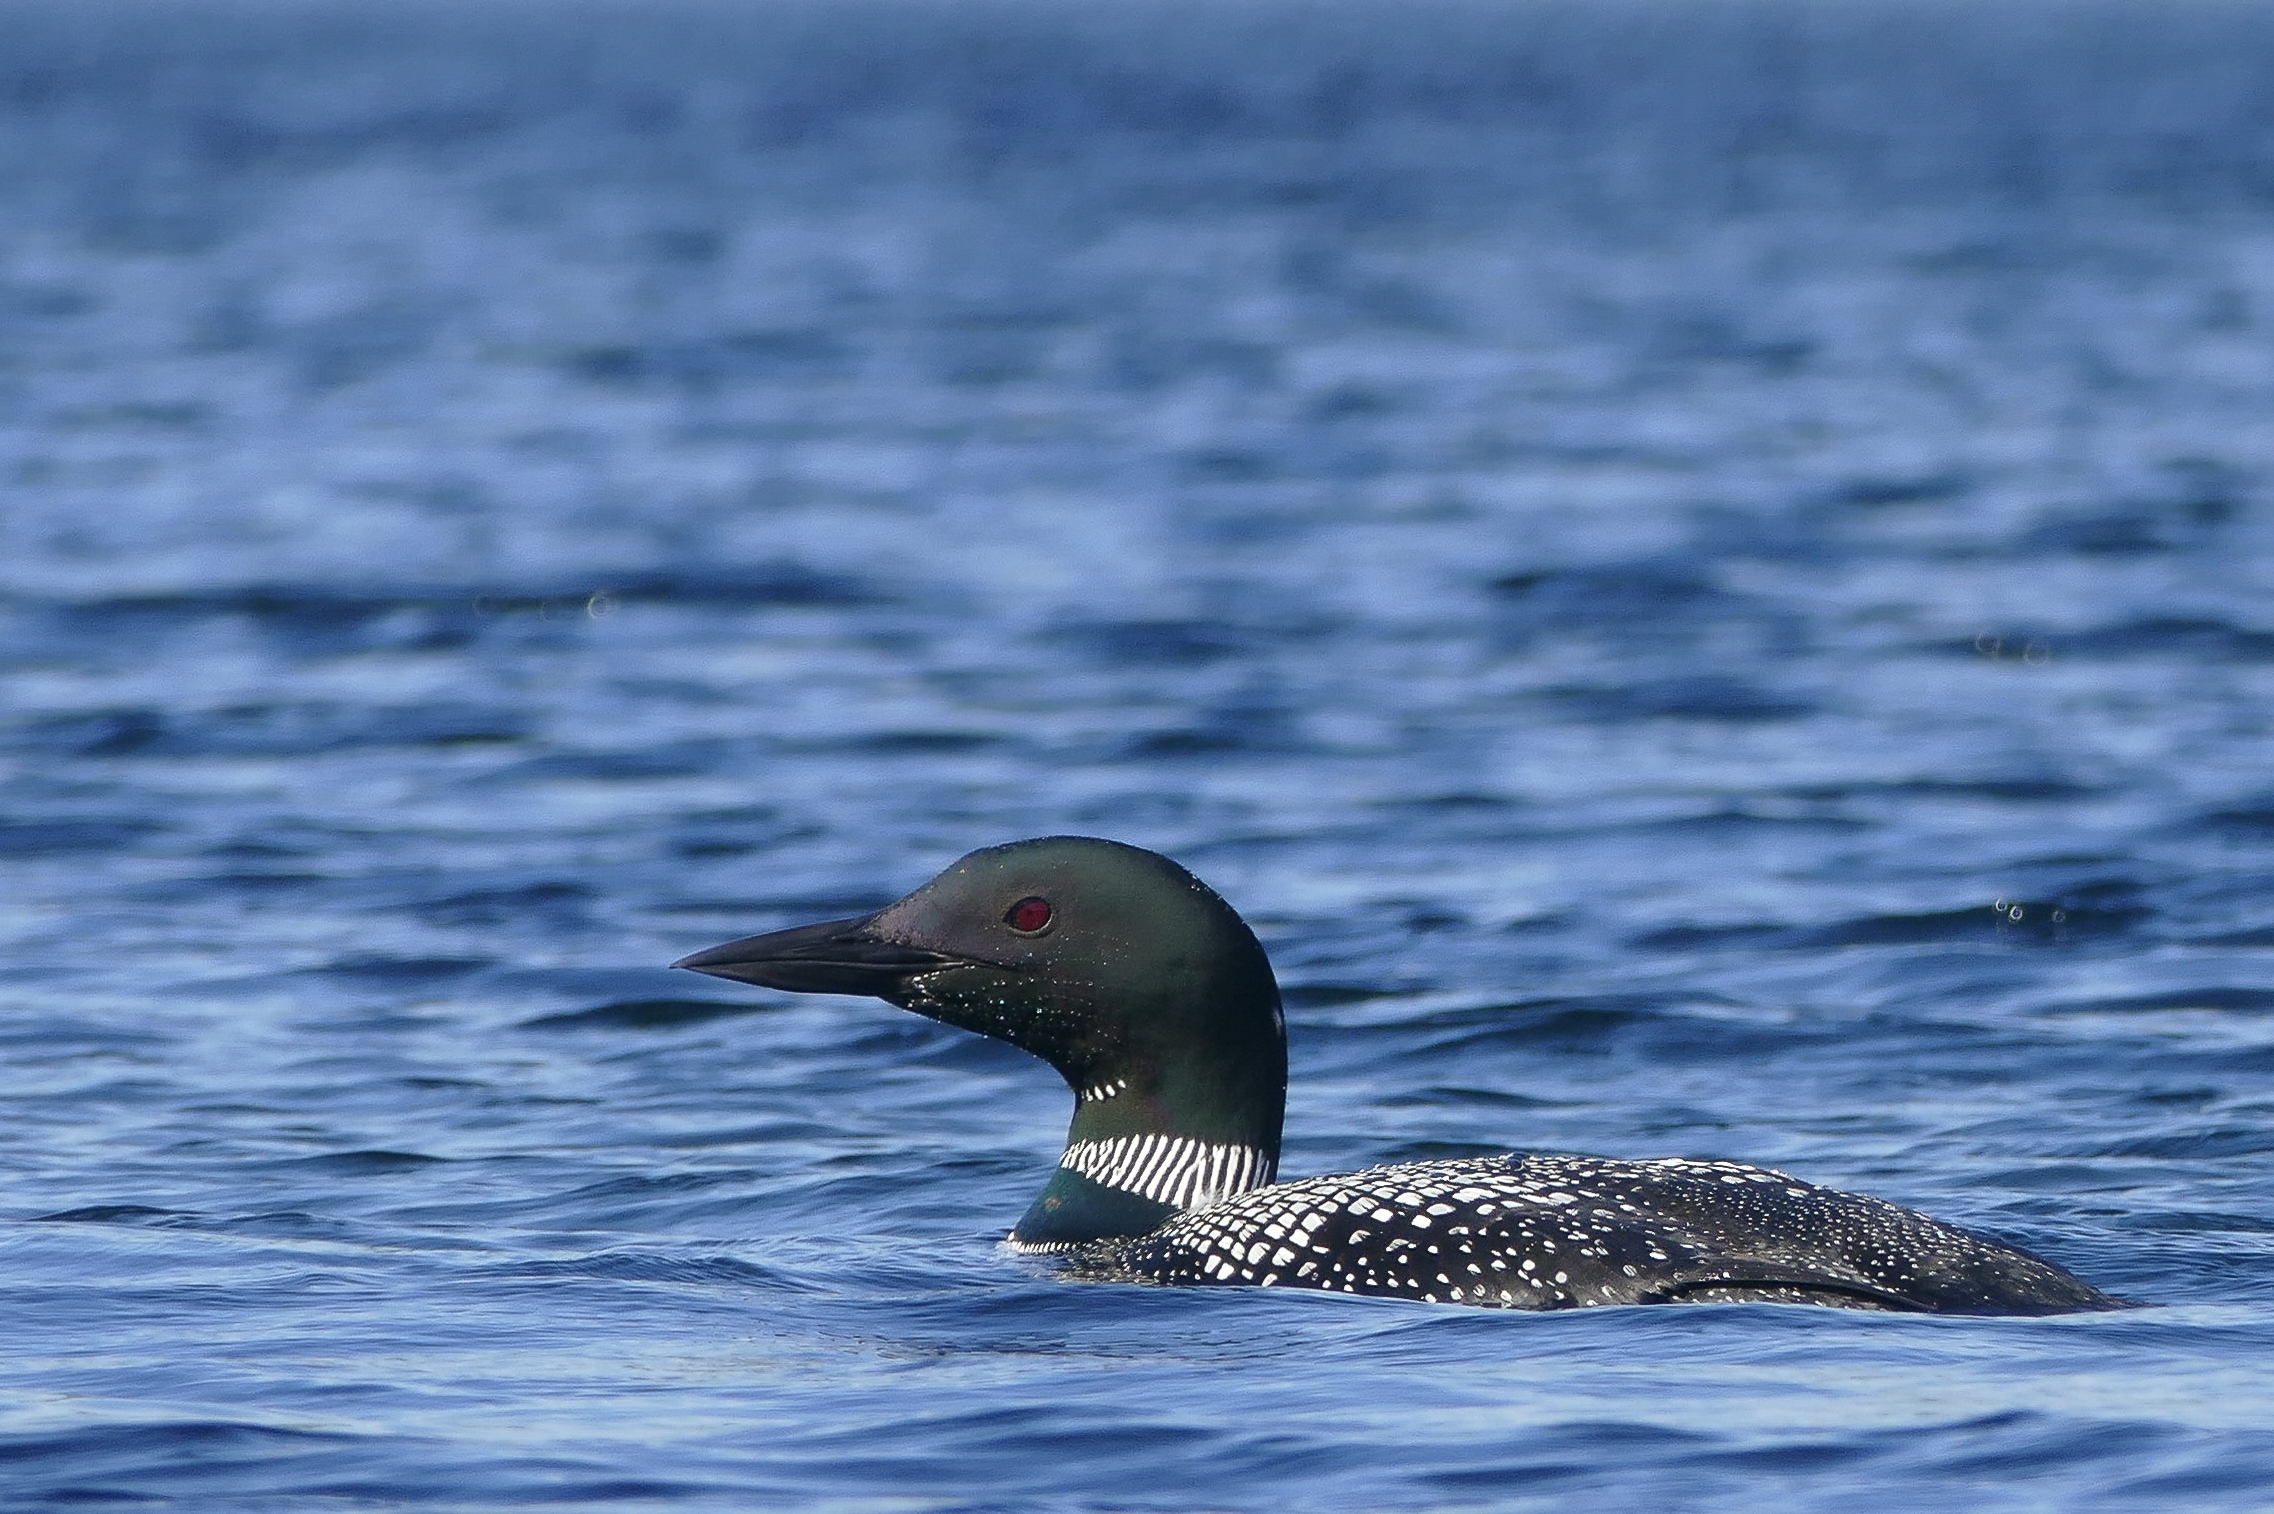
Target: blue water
1703	573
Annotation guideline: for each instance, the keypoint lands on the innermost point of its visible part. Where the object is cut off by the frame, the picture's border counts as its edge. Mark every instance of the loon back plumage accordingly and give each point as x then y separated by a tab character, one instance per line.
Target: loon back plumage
1155	1002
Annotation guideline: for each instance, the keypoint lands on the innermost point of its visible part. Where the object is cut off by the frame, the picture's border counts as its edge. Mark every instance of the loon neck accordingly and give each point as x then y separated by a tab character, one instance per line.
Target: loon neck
1137	1153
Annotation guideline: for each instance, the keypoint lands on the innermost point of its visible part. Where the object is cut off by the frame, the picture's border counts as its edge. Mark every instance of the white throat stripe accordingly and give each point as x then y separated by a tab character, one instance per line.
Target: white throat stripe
1178	1170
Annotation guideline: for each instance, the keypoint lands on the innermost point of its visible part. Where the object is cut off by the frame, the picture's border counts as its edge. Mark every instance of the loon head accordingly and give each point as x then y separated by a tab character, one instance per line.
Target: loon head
1145	990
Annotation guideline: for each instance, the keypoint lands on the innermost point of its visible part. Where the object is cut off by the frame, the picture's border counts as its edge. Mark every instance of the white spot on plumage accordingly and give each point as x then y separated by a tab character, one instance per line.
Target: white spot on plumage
1365	1232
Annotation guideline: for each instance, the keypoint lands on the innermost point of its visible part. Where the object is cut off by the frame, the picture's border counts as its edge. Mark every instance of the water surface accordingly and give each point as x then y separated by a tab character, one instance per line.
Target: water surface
1704	575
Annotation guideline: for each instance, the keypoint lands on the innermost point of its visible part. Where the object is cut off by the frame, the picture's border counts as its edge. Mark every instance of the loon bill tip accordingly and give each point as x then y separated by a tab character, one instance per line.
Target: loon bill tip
833	957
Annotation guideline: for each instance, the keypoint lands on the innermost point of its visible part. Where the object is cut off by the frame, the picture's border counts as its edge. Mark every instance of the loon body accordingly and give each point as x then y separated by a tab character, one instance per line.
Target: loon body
1156	1003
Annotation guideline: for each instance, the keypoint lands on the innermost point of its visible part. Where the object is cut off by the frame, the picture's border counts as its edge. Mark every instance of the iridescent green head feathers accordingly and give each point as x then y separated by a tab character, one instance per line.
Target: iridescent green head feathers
1145	990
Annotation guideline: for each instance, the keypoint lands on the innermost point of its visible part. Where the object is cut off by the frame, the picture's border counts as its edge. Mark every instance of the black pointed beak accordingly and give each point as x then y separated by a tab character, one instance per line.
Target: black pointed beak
834	957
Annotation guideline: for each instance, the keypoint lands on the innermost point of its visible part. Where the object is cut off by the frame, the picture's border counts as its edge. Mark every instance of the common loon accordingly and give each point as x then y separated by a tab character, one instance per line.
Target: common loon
1154	1000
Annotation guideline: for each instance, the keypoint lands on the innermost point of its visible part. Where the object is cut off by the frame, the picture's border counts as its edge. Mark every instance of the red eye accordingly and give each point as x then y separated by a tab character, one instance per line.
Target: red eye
1029	915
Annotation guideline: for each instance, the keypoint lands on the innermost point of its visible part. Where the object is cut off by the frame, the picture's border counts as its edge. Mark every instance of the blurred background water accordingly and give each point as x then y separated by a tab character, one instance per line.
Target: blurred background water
1703	572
